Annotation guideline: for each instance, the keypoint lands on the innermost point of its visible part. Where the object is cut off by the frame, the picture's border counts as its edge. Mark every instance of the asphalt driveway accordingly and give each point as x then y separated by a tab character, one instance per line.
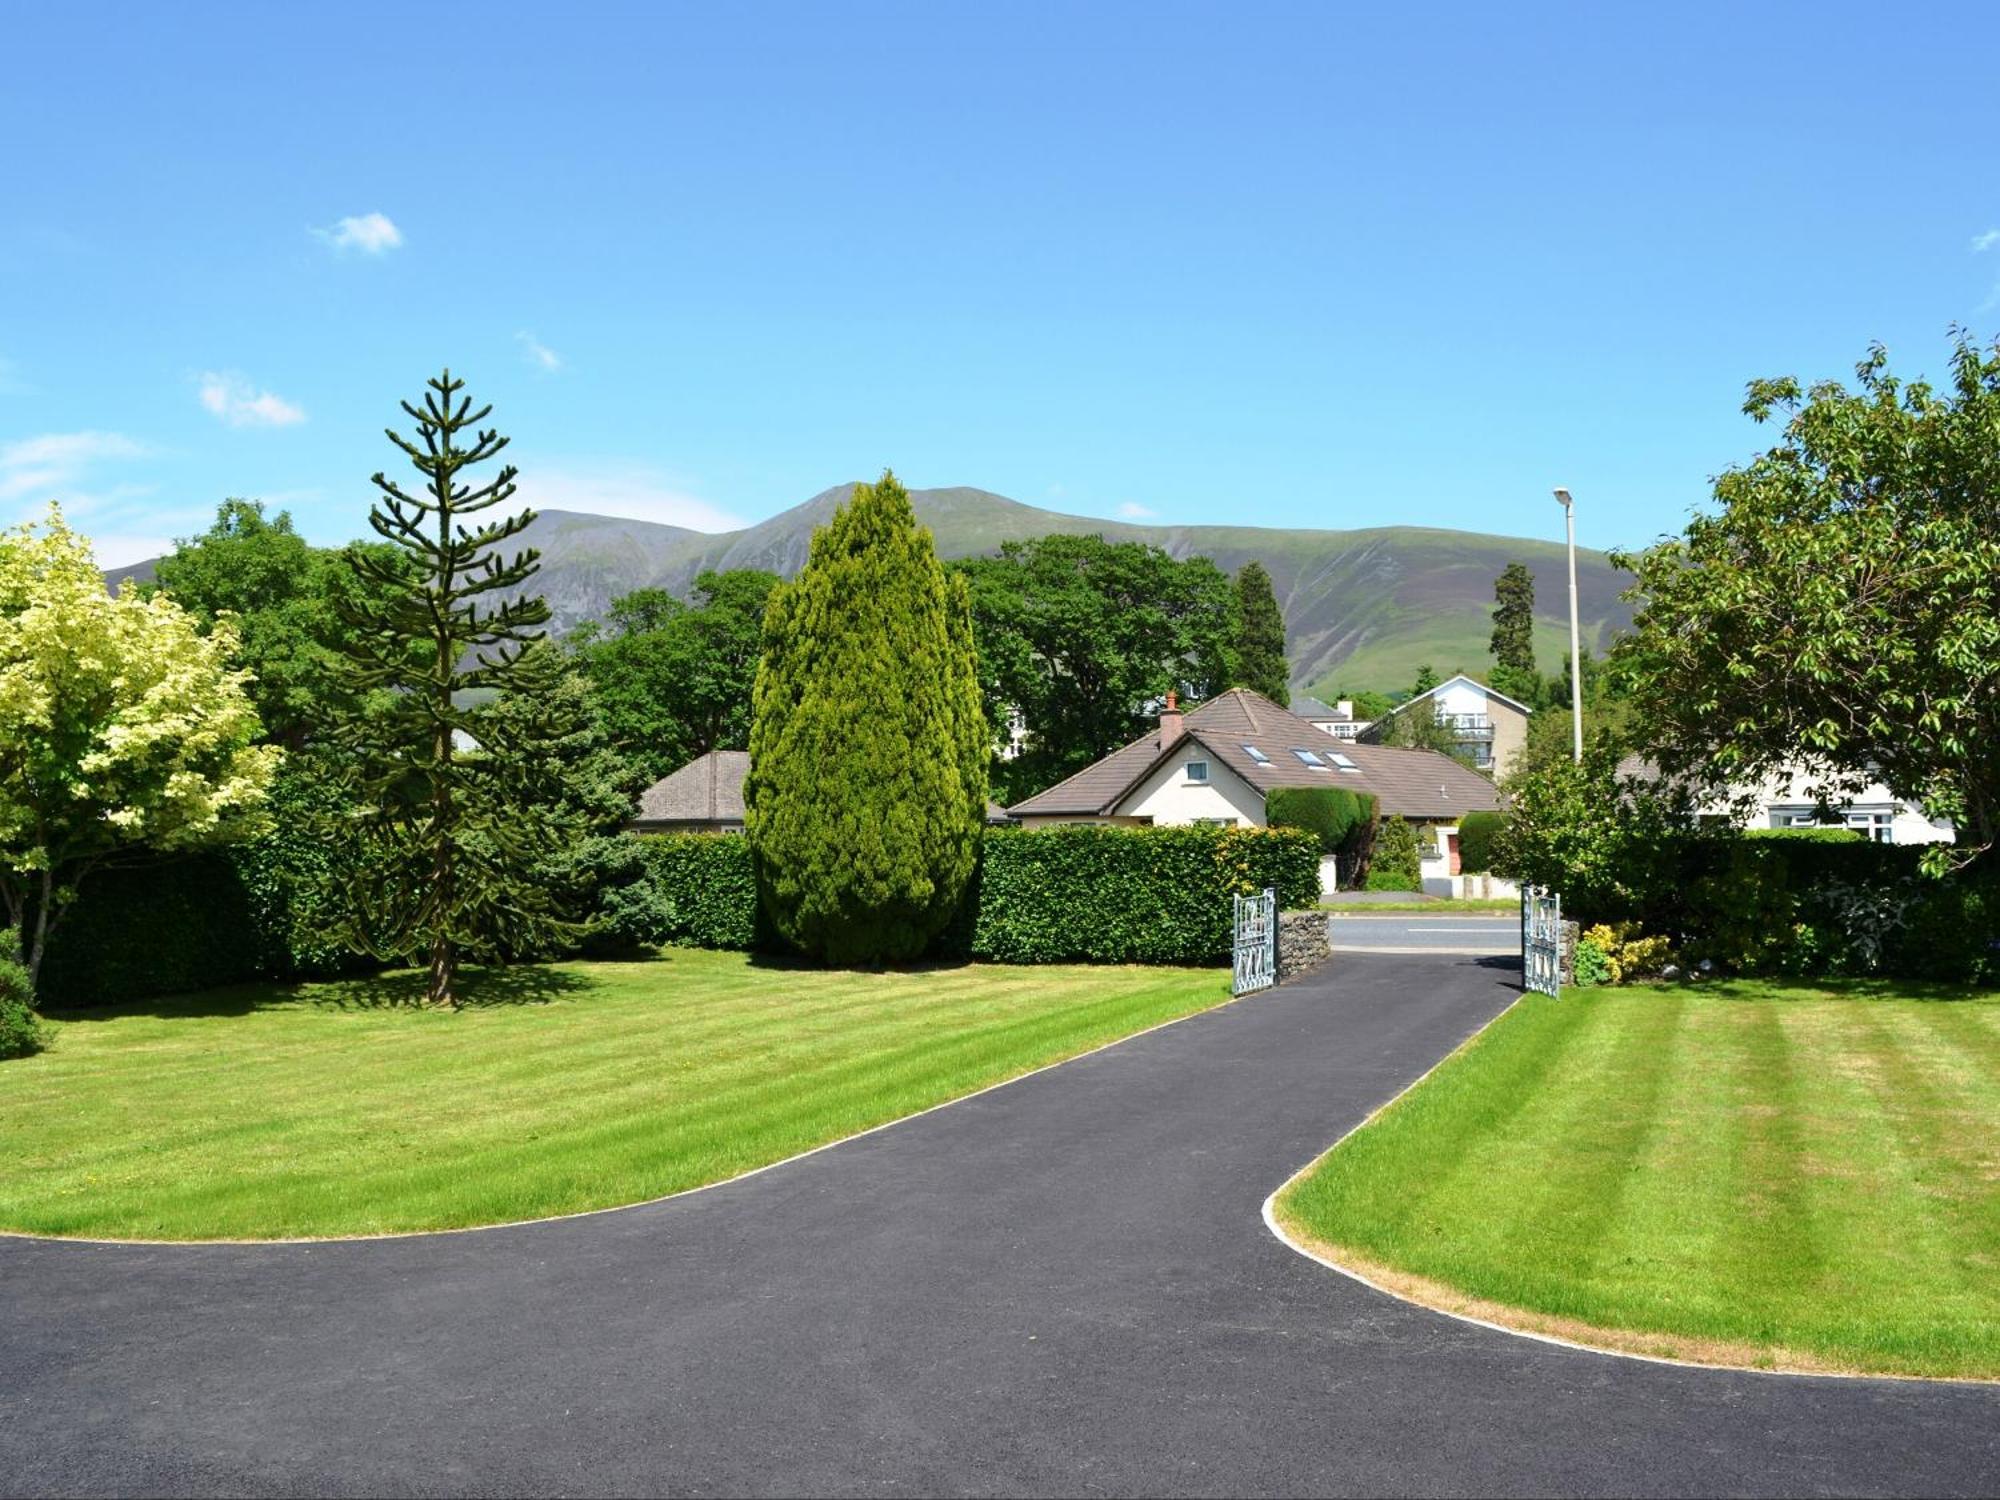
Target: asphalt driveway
1061	1287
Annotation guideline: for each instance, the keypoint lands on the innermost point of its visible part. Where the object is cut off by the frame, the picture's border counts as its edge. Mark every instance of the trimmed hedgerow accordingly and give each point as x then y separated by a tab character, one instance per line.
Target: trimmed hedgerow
704	886
1130	895
1334	813
1051	895
260	910
1477	834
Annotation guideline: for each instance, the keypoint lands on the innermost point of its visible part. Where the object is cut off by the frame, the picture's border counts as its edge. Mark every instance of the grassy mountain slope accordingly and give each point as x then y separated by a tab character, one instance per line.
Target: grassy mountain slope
1363	608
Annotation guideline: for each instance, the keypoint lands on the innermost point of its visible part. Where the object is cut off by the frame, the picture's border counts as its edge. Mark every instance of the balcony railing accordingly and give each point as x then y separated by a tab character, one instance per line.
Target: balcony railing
1468	726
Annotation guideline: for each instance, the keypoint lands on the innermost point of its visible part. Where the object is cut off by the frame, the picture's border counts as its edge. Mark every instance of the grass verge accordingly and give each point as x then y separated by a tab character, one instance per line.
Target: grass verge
342	1109
1782	1177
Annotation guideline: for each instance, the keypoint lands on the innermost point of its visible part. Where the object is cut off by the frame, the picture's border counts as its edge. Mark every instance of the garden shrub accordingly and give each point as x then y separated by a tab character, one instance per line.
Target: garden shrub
21	1030
1397	864
703	887
1334	814
1130	895
1478	836
1592	964
266	909
1625	951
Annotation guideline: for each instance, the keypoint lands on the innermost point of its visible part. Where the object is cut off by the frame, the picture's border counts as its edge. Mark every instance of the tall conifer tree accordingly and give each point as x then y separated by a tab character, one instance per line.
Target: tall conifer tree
457	831
1260	641
1513	642
866	795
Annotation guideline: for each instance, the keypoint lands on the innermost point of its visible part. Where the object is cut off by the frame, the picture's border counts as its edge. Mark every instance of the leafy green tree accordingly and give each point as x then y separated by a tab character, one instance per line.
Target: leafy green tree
1427	678
866	796
1840	606
459	824
123	729
1417	728
1397	862
1582	828
1513	641
1084	638
1368	704
286	596
673	681
1260	640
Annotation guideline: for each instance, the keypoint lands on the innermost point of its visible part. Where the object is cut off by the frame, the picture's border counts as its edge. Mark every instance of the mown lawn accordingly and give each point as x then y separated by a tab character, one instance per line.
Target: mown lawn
1792	1177
341	1108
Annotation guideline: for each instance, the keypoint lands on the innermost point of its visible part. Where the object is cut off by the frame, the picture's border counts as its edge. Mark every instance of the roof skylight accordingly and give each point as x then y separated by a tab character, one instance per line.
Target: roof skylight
1311	758
1344	762
1257	755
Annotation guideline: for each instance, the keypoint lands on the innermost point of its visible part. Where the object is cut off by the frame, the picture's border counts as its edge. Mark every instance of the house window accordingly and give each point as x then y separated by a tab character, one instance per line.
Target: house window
1197	770
1873	824
1215	822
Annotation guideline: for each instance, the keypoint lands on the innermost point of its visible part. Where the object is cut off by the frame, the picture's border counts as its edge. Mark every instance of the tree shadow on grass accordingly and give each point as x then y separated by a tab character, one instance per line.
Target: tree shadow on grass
391	989
478	989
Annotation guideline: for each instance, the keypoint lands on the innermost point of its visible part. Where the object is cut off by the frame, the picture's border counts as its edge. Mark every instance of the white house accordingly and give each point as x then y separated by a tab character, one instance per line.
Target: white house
1215	764
1336	719
1490	727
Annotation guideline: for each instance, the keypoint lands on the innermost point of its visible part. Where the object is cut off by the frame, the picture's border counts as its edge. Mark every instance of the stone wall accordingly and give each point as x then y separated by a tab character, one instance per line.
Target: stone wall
1303	942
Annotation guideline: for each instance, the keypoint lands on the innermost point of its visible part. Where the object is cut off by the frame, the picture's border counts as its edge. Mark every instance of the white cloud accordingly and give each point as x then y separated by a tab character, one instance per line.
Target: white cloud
1132	510
66	468
240	404
537	353
1986	241
371	234
633	491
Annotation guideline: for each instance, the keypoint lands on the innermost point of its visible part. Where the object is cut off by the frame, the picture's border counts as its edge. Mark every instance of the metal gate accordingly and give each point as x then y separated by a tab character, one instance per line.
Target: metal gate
1541	939
1255	964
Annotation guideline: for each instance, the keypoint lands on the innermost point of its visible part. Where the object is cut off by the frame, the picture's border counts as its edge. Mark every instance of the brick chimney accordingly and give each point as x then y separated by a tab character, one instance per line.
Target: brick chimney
1170	721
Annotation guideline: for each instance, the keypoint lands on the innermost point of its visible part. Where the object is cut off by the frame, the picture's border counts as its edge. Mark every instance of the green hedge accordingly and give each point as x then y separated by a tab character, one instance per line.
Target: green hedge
267	909
704	886
1130	895
1333	813
1798	902
1477	834
1051	895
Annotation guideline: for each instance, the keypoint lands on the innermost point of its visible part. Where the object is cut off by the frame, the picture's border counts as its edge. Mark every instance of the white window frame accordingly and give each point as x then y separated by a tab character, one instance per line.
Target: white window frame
1197	773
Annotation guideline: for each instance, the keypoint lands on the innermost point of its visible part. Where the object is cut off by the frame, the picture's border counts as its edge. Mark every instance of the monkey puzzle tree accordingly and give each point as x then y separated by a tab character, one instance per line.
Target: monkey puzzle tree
458	832
866	795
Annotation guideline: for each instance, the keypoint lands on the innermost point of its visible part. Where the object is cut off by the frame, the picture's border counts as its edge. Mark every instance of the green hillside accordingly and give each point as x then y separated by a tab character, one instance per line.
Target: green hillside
1363	608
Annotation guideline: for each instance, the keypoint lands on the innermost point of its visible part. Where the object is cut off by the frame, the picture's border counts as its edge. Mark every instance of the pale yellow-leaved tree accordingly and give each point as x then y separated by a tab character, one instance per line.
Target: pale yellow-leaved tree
123	729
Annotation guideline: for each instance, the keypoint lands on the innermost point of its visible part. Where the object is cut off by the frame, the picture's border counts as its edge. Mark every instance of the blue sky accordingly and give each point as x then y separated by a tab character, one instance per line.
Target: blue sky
1298	266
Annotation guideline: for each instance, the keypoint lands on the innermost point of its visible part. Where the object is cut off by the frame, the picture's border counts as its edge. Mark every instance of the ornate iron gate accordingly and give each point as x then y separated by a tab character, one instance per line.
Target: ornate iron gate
1256	943
1541	939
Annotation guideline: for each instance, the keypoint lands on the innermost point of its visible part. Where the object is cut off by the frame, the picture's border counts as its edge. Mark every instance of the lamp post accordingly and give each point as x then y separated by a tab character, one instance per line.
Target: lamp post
1575	636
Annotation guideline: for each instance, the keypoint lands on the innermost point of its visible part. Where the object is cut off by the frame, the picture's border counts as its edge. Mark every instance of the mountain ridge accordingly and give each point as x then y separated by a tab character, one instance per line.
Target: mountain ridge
1364	607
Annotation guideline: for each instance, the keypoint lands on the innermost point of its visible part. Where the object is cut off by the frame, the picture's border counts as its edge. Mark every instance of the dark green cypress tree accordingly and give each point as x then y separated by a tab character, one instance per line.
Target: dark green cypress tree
1260	640
1513	642
866	797
455	831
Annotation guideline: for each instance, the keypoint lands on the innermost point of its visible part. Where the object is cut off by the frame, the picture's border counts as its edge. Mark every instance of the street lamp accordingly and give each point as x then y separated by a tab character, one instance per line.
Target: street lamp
1575	636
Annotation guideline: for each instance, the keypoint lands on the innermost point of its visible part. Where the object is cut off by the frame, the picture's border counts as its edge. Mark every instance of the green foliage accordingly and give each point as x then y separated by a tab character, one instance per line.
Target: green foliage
1578	828
868	752
1841	604
1427	678
673	681
1084	638
1049	895
458	833
1130	895
1592	964
123	729
270	908
1513	640
1806	835
1478	840
704	890
1397	863
1417	727
1260	640
1627	950
21	1030
1332	814
285	595
1367	704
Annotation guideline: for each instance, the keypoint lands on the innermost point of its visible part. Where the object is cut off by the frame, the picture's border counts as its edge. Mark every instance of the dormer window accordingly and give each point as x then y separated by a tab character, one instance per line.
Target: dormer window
1197	770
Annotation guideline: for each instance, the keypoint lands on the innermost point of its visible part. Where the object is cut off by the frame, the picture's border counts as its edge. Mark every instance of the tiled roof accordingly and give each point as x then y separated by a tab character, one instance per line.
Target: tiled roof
710	790
1312	708
707	790
1414	783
